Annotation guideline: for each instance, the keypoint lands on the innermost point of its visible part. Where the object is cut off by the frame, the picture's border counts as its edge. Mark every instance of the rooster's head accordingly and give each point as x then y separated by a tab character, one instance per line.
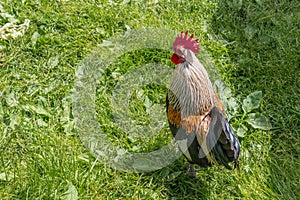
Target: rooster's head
183	41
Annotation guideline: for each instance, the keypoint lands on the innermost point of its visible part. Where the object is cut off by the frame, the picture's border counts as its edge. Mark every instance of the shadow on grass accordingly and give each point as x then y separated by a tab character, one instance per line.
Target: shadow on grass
263	42
179	185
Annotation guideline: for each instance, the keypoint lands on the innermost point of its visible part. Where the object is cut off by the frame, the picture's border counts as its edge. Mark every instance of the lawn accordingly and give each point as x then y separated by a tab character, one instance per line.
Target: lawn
48	47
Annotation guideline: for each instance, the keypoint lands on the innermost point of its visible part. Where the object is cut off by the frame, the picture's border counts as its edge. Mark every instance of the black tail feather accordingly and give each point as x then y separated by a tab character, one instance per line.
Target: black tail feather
221	140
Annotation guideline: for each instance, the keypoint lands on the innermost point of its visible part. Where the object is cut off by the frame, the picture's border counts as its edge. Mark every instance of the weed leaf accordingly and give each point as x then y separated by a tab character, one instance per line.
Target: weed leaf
252	101
250	31
238	4
71	193
12	99
227	99
15	120
241	131
6	176
34	38
258	120
53	61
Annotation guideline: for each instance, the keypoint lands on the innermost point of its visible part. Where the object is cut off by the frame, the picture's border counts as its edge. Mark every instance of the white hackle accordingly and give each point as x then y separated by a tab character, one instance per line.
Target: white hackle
190	91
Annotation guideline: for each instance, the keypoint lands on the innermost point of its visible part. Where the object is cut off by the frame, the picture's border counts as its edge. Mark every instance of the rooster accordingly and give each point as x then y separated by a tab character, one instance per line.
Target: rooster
196	117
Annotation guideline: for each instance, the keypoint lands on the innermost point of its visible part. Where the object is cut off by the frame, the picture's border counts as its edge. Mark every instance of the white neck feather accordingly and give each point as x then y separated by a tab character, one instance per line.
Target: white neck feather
191	91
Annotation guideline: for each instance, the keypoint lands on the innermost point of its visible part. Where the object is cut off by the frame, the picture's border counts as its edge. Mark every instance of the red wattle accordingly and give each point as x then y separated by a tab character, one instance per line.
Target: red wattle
177	59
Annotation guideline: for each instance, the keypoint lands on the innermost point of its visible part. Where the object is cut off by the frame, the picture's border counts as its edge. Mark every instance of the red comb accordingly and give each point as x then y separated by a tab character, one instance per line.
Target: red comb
187	42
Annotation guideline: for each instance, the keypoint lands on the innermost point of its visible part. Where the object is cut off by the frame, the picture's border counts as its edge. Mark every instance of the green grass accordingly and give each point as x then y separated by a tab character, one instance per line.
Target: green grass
255	45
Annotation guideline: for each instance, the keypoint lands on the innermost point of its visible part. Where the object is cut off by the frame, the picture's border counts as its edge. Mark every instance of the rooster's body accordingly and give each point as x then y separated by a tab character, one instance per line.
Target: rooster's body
195	113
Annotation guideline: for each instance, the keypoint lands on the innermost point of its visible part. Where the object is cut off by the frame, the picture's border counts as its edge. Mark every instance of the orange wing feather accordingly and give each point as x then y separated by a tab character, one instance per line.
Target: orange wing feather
188	123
